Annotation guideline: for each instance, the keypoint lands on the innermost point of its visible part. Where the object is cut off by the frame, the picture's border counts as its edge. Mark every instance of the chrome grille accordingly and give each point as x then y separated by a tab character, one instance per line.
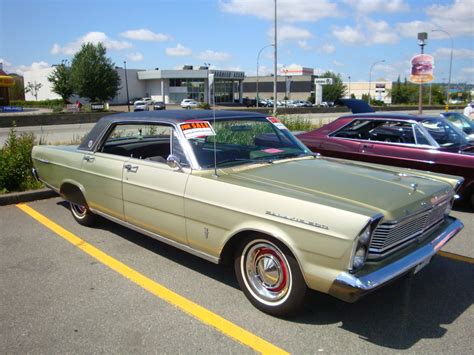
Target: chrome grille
391	236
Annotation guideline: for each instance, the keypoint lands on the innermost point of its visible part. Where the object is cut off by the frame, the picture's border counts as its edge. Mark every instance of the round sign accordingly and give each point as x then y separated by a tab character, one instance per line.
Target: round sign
422	68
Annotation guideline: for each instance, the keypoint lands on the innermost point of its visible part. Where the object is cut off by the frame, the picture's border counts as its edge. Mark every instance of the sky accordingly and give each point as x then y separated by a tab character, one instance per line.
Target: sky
348	37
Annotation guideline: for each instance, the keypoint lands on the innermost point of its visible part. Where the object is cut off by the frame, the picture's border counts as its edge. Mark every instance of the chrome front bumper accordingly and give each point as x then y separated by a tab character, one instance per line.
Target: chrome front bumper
350	288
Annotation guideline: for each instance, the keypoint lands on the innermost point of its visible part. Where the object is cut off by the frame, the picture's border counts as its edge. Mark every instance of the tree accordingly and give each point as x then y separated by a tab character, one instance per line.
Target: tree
34	88
93	75
336	90
60	78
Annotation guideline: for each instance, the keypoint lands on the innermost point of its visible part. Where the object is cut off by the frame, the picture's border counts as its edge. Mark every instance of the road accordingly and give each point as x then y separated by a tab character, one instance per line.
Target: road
60	294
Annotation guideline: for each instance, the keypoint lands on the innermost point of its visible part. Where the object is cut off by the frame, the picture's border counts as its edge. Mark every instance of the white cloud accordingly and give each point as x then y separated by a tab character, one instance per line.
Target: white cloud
6	64
367	6
411	29
287	10
145	35
469	70
290	33
457	53
367	32
178	51
456	18
348	35
304	45
135	57
380	32
91	37
338	63
20	69
214	56
327	49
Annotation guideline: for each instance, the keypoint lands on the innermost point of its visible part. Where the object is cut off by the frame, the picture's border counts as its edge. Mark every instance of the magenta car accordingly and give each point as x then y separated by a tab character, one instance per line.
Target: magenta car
416	142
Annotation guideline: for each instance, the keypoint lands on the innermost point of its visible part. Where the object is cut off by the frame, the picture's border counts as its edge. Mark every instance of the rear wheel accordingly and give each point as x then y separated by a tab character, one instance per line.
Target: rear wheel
82	214
270	277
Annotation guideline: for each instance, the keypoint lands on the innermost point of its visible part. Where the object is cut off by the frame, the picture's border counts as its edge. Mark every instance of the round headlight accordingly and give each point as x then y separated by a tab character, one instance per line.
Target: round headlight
359	258
365	237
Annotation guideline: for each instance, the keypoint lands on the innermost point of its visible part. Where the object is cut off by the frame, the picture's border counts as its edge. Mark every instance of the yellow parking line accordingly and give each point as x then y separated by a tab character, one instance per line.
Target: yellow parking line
204	315
456	257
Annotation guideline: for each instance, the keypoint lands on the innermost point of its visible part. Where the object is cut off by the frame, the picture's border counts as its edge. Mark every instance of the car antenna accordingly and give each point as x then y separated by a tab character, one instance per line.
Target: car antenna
213	102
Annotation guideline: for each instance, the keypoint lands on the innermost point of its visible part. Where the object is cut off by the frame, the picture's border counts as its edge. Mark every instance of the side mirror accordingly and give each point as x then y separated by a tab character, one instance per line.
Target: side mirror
173	162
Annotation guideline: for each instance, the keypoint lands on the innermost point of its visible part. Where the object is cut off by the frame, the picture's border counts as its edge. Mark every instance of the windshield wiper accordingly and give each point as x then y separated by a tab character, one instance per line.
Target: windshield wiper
263	161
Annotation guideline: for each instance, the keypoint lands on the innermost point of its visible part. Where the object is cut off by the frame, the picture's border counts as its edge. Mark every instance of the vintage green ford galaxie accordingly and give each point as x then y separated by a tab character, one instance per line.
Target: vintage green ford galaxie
239	188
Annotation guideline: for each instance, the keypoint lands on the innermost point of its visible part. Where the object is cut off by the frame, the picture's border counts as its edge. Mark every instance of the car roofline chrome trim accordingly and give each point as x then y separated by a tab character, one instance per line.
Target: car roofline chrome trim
158	237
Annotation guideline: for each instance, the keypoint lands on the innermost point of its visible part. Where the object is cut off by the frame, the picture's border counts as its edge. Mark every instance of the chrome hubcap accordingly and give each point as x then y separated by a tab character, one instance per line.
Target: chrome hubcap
266	272
78	210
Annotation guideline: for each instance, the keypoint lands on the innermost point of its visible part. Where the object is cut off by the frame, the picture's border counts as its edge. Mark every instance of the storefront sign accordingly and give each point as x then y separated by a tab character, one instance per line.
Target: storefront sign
323	81
11	109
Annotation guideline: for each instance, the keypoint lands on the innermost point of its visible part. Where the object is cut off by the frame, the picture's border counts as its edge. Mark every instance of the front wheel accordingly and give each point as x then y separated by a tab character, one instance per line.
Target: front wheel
270	277
82	214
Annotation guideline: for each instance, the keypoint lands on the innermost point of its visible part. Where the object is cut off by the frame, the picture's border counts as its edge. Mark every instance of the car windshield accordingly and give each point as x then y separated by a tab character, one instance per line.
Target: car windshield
246	141
445	133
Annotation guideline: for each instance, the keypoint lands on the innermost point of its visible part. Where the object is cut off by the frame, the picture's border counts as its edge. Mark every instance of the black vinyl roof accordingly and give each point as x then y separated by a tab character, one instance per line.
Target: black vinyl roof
171	116
397	116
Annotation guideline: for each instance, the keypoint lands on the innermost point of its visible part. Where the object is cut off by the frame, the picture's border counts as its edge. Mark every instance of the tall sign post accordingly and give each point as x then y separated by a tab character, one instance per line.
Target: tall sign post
318	89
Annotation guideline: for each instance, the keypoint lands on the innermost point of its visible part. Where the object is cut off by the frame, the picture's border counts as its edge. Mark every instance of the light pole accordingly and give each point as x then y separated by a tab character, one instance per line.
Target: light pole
450	63
422	38
126	84
207	65
275	64
258	59
370	75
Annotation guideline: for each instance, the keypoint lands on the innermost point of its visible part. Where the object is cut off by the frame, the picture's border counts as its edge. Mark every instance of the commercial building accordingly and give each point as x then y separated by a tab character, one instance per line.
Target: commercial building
379	90
296	83
170	86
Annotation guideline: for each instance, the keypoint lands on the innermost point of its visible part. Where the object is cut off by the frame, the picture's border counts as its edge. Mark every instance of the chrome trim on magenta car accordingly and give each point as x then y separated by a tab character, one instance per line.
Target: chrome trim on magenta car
350	288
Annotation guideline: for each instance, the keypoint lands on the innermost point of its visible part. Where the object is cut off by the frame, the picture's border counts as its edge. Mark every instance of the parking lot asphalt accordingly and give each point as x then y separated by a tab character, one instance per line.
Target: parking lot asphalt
57	297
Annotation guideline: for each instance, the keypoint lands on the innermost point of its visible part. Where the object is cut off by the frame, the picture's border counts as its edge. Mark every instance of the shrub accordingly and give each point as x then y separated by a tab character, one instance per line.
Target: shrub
16	164
297	123
204	106
43	103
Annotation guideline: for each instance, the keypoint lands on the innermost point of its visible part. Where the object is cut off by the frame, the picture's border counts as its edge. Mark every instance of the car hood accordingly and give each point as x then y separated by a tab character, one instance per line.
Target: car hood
358	187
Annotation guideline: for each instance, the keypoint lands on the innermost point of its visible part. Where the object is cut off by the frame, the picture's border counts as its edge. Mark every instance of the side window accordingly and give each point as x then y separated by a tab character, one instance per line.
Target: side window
420	137
153	142
357	129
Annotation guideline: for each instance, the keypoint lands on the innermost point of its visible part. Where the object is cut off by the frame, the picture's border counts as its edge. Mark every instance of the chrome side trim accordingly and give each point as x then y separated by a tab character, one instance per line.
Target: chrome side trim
350	288
160	238
43	160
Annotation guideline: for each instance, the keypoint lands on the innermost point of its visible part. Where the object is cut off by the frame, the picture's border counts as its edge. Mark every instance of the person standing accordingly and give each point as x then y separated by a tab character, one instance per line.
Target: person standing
468	110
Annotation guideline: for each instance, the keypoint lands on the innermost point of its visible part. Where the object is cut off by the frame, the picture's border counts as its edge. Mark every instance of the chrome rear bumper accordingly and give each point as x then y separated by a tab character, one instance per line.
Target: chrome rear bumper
350	288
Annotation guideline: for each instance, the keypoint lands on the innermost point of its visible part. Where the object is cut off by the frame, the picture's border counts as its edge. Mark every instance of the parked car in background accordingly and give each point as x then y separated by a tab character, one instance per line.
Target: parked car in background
409	141
189	103
239	188
159	105
461	121
141	105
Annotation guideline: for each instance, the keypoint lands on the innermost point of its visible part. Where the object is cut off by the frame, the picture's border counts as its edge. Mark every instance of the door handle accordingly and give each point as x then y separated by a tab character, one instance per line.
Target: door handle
366	146
131	168
89	158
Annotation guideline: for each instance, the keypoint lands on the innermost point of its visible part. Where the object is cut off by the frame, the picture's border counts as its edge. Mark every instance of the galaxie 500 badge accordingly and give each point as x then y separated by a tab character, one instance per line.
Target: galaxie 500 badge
195	129
299	220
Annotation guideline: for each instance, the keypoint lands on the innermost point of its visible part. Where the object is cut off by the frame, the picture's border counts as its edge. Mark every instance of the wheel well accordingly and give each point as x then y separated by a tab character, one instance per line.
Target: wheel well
227	255
72	193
